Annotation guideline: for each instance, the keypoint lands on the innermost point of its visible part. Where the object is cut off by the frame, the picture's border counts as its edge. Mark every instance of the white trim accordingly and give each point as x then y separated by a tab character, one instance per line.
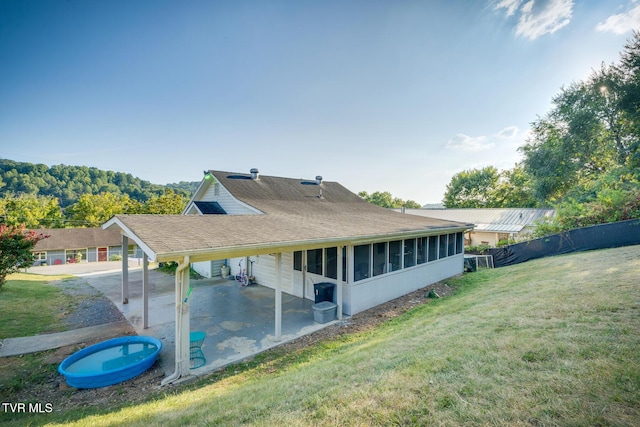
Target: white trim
127	232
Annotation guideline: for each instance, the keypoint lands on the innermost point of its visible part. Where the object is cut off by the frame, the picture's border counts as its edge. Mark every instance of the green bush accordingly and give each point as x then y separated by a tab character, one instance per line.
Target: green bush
477	250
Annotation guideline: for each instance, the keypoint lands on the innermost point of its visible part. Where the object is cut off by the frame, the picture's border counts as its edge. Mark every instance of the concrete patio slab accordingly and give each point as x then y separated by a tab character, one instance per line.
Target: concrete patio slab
238	321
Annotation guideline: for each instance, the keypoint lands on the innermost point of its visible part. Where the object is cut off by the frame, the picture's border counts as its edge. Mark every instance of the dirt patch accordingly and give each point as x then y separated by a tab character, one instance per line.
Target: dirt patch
51	387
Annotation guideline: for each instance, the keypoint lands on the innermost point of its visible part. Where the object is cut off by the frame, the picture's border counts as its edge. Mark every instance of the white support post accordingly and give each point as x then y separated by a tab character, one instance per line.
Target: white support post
339	281
125	269
182	323
350	265
278	297
145	291
182	340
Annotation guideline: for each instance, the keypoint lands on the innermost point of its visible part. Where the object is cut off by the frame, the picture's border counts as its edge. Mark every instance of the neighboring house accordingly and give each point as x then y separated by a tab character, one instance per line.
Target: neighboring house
68	245
490	226
292	233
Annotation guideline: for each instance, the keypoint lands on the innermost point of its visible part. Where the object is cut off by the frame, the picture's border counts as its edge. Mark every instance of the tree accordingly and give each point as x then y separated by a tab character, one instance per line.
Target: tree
580	138
593	127
94	210
168	203
629	99
15	249
31	211
514	190
472	188
386	200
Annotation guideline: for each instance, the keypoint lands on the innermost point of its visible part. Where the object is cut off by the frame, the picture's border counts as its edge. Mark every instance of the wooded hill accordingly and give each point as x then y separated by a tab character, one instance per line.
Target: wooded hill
67	183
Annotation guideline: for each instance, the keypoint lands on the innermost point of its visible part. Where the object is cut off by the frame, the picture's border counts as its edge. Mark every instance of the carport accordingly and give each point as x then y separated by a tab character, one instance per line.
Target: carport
238	321
160	235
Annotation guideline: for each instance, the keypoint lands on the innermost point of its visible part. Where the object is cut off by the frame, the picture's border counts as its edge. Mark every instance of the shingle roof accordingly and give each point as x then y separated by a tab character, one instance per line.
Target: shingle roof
296	212
76	238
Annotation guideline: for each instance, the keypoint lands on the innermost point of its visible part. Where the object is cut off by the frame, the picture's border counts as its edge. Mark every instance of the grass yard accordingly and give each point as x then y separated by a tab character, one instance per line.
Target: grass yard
30	306
552	342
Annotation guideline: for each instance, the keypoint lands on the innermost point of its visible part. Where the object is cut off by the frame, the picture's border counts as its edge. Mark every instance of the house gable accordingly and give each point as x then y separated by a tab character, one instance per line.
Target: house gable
212	191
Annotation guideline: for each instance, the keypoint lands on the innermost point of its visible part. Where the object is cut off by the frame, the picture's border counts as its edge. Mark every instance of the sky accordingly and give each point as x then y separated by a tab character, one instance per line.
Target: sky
394	95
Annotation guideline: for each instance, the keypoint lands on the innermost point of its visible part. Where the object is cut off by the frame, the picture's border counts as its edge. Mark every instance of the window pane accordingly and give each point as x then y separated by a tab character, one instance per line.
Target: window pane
442	252
433	248
332	263
76	255
379	258
344	263
409	253
297	260
421	249
361	262
452	244
459	242
395	252
314	261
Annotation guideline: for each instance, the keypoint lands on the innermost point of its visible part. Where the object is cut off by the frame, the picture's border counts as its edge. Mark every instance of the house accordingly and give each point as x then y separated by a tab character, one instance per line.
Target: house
69	245
490	226
291	234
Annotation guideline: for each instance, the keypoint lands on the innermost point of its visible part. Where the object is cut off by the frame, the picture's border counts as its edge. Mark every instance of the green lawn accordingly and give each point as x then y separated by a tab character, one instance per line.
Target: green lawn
554	341
30	306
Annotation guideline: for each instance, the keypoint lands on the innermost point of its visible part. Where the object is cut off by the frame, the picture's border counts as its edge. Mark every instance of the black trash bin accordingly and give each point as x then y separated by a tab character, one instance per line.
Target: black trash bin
324	291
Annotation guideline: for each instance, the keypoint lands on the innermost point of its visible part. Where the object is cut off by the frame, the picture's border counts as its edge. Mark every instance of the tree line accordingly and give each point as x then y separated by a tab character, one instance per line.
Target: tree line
582	157
38	196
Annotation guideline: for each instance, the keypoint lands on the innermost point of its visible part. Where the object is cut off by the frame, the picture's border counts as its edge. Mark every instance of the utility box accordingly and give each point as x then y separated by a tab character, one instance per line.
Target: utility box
324	312
323	291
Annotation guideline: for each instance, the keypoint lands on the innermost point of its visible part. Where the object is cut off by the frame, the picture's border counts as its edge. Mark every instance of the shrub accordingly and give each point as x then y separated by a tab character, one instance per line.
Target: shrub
15	249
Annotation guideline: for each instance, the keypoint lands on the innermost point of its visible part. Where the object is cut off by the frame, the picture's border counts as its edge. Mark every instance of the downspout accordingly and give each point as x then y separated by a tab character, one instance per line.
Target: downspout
181	306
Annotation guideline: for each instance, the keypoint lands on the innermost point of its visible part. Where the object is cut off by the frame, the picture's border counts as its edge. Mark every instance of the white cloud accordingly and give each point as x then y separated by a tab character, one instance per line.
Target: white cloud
464	142
538	17
510	5
622	22
508	132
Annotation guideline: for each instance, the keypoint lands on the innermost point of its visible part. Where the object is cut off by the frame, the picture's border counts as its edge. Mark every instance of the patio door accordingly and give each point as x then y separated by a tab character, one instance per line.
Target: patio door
102	254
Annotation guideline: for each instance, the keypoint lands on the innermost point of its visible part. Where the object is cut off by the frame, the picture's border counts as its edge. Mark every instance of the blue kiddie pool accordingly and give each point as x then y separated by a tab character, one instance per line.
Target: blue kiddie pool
110	362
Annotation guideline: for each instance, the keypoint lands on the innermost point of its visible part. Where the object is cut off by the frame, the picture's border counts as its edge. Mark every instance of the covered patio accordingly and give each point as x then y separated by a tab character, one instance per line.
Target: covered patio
238	321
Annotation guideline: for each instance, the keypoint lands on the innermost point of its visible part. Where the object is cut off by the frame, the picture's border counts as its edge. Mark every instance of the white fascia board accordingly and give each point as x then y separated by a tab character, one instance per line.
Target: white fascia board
196	193
115	222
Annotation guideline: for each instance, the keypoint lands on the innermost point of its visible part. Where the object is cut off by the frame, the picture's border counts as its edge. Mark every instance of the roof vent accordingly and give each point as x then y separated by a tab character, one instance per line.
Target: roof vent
255	174
318	180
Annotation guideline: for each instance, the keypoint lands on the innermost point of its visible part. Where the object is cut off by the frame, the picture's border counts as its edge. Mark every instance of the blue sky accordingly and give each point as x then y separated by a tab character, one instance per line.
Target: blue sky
378	95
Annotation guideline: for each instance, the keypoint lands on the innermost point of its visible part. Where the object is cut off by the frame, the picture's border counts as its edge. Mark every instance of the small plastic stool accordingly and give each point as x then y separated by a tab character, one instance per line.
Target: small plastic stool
196	356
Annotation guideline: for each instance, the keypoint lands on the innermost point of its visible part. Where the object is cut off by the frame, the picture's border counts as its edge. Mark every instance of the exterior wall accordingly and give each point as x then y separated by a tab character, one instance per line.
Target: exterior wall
217	193
114	250
492	238
484	238
368	293
92	255
61	255
208	269
56	257
264	270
